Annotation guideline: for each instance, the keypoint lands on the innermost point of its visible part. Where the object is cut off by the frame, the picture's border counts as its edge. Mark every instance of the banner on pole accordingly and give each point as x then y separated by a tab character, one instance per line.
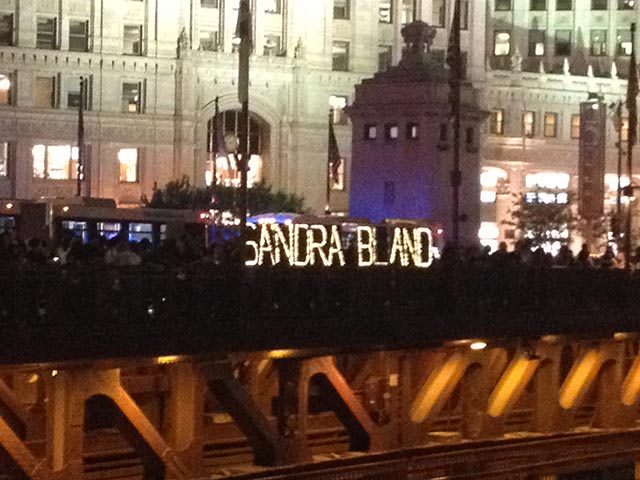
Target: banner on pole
591	162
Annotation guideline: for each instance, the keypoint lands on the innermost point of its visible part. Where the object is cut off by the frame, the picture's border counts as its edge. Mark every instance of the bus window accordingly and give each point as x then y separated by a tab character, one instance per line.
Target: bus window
78	229
108	230
163	232
7	223
138	231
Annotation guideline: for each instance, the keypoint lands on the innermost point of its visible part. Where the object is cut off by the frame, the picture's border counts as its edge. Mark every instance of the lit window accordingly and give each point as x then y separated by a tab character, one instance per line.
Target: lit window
563	43
598	46
5	89
6	29
208	40
439	13
131	97
412	131
496	122
624	126
391	131
55	162
132	40
488	196
501	43
341	9
338	103
550	180
407	12
575	126
45	92
78	35
46	33
626	4
385	11
273	6
491	177
4	158
503	5
623	43
550	124
611	181
488	231
340	52
128	160
370	132
385	57
528	124
536	43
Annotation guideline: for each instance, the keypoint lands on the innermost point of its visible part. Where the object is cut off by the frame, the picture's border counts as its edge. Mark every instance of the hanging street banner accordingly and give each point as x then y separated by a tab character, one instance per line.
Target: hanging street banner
591	162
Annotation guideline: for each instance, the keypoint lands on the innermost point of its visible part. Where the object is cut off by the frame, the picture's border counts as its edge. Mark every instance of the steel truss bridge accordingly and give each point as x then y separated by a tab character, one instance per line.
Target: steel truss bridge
529	374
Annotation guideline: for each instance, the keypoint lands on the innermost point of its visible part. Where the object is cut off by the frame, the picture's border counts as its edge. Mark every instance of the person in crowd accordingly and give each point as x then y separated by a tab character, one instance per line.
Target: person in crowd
583	258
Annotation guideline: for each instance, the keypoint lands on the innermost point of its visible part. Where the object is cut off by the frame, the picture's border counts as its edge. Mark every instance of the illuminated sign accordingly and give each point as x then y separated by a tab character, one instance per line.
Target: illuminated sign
302	245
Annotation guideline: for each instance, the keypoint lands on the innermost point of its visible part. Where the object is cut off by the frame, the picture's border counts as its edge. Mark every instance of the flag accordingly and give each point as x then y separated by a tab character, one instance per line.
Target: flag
333	155
218	147
454	55
632	91
243	32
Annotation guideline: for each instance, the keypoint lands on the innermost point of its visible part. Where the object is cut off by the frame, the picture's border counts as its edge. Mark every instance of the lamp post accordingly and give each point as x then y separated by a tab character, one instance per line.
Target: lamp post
628	193
617	124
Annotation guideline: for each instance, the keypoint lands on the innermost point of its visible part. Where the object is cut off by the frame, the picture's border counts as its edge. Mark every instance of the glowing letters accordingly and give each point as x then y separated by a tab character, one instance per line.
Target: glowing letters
301	245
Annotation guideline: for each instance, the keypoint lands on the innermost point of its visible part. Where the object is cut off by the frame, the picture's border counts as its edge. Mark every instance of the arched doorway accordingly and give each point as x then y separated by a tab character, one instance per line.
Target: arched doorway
221	163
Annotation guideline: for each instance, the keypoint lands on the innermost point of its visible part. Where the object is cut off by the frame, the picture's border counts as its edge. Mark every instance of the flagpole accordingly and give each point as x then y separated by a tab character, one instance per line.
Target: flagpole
80	168
455	80
632	92
327	208
215	148
244	32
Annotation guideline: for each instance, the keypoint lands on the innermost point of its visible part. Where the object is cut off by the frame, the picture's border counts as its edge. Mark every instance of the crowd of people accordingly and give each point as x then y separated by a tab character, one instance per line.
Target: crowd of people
118	251
523	254
187	249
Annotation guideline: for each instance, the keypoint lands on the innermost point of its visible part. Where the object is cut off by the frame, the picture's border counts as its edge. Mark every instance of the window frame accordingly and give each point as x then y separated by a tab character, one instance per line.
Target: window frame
140	39
137	167
604	44
347	60
51	104
599	5
498	6
496	122
10	32
556	43
85	37
139	104
71	168
531	45
537	5
528	127
575	128
342	12
564	8
10	95
40	44
496	33
547	125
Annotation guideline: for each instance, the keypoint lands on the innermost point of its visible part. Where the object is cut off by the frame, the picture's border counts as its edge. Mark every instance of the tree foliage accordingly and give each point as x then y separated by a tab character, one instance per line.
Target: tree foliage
540	223
180	194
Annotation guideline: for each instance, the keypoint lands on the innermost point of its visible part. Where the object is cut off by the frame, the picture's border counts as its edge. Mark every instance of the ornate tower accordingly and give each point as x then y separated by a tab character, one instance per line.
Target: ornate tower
402	134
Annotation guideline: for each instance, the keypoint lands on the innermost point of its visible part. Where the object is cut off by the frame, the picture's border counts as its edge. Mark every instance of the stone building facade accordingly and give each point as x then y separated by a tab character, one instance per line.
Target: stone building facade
154	69
545	57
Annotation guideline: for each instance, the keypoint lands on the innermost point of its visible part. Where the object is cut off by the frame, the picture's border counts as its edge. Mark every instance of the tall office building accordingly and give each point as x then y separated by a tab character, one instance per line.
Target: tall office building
154	69
544	58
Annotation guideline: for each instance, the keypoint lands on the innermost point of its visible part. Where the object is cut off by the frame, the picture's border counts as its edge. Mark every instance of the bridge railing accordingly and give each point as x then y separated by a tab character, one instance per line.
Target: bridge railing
106	312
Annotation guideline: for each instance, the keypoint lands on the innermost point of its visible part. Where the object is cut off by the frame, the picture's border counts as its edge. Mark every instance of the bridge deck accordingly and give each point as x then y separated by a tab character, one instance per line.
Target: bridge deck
56	315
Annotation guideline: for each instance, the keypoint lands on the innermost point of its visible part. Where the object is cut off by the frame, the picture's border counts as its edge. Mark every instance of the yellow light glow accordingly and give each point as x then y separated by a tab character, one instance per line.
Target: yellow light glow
580	378
33	378
511	385
9	205
167	360
478	345
65	209
278	354
54	373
